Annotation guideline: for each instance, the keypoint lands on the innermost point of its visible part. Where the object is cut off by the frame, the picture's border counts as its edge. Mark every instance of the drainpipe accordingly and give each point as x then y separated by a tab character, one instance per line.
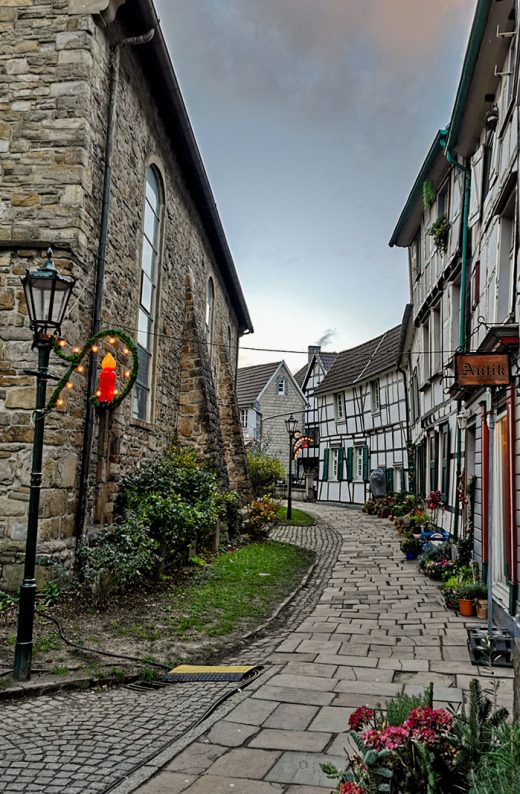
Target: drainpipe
463	286
100	272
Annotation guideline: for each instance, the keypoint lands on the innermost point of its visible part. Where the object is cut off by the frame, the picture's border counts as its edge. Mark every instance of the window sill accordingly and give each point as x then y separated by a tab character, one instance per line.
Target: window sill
141	424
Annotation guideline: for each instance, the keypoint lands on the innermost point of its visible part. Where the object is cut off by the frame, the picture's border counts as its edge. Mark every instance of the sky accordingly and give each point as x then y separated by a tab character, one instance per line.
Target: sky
313	118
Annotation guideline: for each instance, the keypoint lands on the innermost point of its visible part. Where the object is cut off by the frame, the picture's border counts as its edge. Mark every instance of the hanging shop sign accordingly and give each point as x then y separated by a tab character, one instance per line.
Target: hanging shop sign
482	369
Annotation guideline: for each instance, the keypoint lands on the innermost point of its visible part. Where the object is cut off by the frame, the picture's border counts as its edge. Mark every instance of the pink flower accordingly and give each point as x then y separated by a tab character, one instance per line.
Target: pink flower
372	739
360	717
351	788
394	736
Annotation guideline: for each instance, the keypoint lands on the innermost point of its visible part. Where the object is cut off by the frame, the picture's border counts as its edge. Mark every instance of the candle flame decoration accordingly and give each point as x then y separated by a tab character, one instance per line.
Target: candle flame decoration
106	394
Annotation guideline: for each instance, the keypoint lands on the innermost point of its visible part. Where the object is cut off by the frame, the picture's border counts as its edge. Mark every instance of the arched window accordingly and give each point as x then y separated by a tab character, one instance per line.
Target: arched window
210	306
148	279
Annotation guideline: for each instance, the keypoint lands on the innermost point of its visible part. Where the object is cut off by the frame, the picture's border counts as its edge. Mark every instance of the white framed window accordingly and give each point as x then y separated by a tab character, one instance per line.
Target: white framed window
210	309
358	463
282	385
375	397
243	416
147	298
335	464
339	406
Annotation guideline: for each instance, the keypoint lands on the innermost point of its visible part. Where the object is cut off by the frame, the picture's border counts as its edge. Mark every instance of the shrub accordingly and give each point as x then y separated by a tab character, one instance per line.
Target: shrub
261	515
264	472
499	768
164	507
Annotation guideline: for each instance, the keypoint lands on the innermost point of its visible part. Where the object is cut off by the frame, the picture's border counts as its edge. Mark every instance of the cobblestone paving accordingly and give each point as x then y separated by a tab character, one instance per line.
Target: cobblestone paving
378	628
82	743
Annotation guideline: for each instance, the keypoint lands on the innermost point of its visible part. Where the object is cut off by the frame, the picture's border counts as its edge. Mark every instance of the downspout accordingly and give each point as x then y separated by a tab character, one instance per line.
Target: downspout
463	287
100	274
407	411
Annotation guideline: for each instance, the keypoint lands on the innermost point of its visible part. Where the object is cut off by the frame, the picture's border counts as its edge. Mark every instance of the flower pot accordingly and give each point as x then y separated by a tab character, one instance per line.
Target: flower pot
411	555
482	609
466	607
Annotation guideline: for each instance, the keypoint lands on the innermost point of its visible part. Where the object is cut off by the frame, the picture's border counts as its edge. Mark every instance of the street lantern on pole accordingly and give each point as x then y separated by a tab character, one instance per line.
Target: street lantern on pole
47	294
290	425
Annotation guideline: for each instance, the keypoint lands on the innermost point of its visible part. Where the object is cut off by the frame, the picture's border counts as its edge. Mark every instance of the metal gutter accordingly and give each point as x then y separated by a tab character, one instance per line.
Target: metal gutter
224	256
416	191
476	36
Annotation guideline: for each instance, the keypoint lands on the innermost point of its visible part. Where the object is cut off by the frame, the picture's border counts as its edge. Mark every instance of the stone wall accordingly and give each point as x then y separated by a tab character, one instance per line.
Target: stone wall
54	70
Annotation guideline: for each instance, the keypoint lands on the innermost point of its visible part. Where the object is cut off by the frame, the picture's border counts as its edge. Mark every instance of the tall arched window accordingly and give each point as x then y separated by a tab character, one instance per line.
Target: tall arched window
210	306
146	315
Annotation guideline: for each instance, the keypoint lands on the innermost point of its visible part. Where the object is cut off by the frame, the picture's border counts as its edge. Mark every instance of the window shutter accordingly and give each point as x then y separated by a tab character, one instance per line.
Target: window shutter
389	475
445	485
434	468
476	186
341	460
326	464
350	464
365	463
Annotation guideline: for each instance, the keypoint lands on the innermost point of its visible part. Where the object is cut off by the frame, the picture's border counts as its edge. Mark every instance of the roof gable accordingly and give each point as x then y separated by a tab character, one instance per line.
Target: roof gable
363	362
251	381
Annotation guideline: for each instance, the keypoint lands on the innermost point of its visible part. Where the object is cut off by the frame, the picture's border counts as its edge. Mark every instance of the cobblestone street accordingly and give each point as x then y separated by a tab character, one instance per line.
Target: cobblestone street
365	626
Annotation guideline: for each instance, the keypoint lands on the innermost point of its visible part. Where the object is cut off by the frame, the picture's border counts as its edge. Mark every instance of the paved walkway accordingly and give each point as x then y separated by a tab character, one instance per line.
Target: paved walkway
379	628
366	626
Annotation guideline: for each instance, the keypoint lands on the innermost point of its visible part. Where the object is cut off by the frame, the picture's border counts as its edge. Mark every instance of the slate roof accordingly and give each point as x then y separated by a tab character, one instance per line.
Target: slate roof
327	360
363	362
251	381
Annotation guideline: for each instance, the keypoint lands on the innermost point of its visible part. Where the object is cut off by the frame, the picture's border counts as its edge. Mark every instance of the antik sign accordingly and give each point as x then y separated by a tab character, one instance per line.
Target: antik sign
482	369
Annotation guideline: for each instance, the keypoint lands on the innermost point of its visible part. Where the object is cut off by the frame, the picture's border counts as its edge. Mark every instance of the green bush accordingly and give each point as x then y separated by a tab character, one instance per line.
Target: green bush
261	515
164	508
499	768
264	471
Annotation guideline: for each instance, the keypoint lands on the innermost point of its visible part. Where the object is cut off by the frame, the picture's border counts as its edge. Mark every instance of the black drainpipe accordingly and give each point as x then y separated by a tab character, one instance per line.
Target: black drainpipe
100	274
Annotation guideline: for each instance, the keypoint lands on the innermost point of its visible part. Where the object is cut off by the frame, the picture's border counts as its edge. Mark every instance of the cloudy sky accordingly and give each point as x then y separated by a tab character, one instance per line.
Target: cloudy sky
313	117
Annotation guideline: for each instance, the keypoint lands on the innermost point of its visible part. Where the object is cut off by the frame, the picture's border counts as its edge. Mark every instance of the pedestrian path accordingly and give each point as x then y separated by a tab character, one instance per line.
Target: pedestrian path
379	628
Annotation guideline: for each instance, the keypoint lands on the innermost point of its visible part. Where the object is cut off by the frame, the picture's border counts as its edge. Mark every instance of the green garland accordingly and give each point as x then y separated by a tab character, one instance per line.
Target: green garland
75	359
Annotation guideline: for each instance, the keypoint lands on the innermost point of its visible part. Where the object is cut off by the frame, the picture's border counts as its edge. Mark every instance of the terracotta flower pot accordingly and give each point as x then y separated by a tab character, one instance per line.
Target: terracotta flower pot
482	609
466	607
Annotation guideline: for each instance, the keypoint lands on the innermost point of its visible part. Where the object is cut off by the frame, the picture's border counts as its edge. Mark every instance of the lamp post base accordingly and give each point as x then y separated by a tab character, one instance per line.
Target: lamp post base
24	640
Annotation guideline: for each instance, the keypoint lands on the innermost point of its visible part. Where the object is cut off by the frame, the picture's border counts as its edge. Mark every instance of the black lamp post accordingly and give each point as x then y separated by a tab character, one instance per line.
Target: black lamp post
290	425
47	294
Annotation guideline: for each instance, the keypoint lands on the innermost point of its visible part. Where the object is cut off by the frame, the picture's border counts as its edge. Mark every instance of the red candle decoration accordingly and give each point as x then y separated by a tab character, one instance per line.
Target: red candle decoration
107	379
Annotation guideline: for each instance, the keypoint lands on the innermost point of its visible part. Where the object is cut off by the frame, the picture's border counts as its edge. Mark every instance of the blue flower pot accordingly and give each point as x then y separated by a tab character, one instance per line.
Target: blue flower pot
410	555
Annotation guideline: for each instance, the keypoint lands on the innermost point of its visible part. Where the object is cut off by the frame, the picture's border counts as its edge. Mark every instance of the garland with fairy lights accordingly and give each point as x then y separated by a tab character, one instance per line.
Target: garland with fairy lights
76	357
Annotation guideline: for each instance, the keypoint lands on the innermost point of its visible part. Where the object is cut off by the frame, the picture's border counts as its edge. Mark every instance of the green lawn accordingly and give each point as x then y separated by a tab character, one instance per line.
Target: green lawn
238	589
299	518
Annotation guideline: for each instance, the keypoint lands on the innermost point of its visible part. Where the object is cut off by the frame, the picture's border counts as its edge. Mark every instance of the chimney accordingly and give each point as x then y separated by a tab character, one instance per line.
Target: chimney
313	350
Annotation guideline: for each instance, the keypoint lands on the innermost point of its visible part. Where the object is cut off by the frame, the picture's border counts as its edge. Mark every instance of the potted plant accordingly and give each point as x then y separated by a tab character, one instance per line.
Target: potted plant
466	596
411	547
481	602
440	231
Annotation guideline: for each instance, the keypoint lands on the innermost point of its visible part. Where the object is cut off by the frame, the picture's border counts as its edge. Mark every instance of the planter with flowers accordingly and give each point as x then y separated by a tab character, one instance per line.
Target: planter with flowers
411	547
440	231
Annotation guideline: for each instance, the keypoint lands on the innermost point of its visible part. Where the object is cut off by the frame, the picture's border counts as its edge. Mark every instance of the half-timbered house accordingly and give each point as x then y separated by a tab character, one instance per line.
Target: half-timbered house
362	419
309	378
465	296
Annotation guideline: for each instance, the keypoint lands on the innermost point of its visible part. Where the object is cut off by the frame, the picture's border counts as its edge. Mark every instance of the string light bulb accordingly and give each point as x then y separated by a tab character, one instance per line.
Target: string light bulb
81	368
75	349
127	373
111	339
116	391
98	393
60	402
126	351
69	384
62	343
94	348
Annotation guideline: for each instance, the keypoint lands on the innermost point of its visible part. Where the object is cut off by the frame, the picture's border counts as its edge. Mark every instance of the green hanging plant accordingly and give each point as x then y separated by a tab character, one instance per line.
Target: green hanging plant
440	231
429	193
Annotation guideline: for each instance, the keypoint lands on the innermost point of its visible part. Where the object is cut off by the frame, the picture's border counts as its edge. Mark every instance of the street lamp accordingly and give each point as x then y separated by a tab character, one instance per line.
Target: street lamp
290	425
47	294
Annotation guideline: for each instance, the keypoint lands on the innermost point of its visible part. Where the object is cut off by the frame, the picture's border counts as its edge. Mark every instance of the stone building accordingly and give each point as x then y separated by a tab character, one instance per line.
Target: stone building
267	395
98	158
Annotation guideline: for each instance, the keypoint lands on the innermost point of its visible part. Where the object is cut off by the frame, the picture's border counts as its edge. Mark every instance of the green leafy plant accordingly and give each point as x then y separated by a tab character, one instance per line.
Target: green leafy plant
499	768
429	193
261	515
410	545
264	472
7	600
49	594
399	708
440	231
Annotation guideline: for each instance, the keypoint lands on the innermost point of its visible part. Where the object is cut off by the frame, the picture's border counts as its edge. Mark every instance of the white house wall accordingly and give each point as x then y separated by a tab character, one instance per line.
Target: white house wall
383	433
